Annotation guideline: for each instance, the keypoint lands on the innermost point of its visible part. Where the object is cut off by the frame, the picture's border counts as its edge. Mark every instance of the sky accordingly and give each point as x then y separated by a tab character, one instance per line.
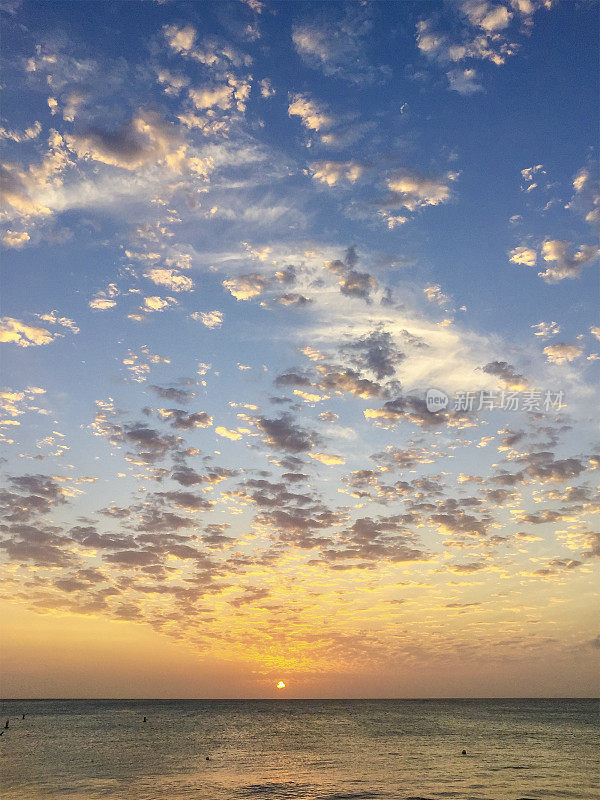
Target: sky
300	349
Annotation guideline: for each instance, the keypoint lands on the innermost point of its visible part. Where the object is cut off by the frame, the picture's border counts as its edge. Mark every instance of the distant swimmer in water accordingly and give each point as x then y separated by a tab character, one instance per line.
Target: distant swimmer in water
6	726
464	752
145	720
23	717
208	758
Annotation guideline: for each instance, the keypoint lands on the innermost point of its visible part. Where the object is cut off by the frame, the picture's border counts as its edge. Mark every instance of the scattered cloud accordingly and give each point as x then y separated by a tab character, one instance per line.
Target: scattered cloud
561	353
566	263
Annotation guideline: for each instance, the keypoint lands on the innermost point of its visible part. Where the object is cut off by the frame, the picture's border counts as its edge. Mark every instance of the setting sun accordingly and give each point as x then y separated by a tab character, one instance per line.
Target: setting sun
281	685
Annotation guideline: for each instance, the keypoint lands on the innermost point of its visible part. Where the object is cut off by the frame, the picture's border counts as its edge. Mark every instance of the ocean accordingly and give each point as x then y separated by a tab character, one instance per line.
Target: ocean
300	749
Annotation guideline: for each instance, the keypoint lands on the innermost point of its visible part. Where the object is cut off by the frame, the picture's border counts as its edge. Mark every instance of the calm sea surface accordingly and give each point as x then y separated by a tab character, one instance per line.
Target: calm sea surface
305	750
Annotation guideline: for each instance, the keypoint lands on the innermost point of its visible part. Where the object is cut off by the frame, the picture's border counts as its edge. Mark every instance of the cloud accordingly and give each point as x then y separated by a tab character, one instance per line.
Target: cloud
180	39
566	265
16	136
54	319
15	239
26	192
467	569
226	433
523	255
546	330
283	434
561	353
182	420
433	292
145	140
104	300
15	403
138	363
154	303
212	52
529	172
292	299
332	172
506	373
210	319
15	331
170	278
375	352
173	83
149	445
208	97
464	81
352	283
478	29
246	287
406	458
357	284
413	191
312	115
488	16
335	43
172	393
266	88
327	459
586	200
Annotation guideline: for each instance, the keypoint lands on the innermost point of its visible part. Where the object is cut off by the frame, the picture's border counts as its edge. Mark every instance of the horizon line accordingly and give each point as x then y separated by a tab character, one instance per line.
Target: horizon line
279	698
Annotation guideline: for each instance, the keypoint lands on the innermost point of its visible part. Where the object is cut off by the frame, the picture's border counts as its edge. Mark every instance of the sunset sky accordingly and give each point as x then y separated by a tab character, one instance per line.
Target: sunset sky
240	241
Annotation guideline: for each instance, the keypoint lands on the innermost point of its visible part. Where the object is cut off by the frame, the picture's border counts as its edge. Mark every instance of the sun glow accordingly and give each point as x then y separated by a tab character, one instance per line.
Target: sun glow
281	685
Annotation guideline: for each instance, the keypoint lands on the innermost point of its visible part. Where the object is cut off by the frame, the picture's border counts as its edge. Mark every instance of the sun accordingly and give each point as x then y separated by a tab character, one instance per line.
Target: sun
281	685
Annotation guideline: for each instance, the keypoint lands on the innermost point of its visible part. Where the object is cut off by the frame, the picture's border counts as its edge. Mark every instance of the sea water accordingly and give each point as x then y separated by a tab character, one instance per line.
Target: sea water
300	749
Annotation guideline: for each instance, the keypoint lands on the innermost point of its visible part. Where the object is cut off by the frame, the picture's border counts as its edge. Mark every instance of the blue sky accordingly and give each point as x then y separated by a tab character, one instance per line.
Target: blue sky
241	240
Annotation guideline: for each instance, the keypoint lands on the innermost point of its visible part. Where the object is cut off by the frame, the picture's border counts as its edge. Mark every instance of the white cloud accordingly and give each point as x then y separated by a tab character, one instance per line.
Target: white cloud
17	332
180	39
266	88
211	319
546	330
561	353
17	136
146	139
246	286
170	278
433	292
54	319
335	42
208	97
414	191
173	83
523	255
312	115
464	81
226	433
211	52
327	459
567	265
491	17
15	239
332	172
158	303
105	299
586	200
529	172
